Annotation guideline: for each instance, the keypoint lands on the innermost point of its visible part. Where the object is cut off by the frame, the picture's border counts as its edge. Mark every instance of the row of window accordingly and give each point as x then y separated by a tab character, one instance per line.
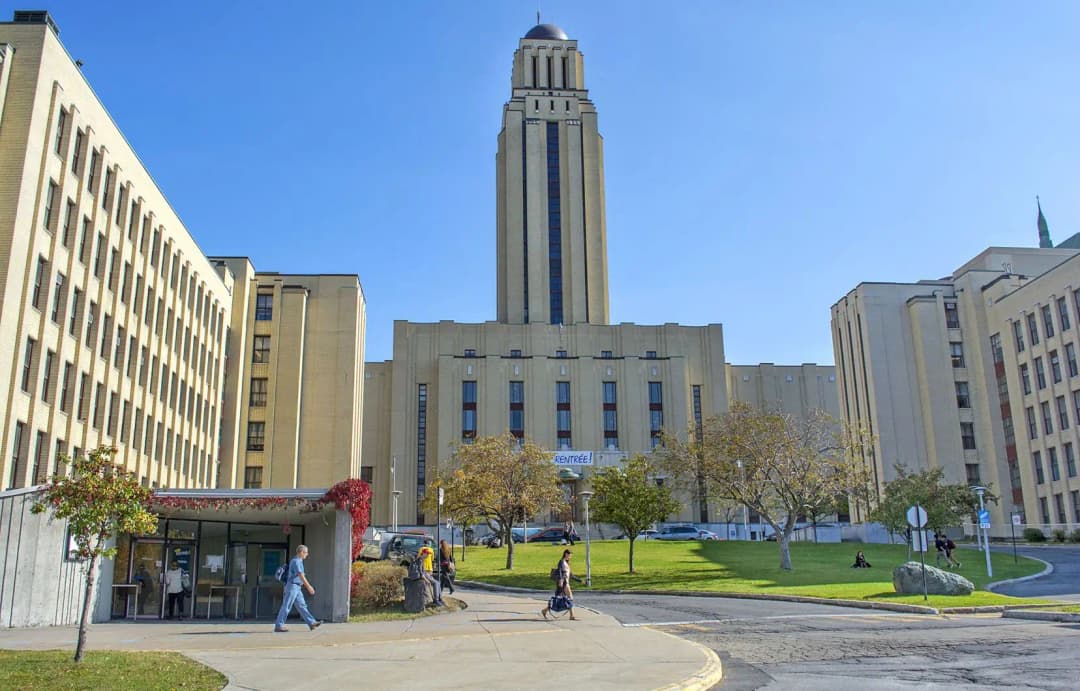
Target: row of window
1046	316
136	430
1059	508
604	354
563	432
1052	461
1061	408
1055	369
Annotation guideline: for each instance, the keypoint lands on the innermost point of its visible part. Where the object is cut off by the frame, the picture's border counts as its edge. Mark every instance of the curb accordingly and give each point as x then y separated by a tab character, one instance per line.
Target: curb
1041	616
705	678
857	604
1045	572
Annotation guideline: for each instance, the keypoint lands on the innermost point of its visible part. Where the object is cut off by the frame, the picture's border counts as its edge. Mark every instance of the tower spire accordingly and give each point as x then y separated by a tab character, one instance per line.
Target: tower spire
1044	229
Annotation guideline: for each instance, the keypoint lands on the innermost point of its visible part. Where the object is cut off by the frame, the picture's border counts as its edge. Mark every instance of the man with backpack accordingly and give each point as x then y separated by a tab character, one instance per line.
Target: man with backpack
294	579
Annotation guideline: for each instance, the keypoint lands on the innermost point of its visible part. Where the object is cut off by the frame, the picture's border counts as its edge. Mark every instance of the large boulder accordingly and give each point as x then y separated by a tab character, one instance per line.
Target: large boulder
907	578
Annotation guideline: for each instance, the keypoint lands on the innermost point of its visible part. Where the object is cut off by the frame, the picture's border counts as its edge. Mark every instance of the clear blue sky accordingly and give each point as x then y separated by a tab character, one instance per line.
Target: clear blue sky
761	158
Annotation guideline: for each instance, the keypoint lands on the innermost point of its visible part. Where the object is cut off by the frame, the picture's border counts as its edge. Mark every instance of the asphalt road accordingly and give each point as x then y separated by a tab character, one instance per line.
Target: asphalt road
782	645
1062	584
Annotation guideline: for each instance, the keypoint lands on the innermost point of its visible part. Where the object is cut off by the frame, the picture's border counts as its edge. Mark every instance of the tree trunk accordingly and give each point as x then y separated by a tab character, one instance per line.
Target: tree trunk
632	538
509	549
84	620
462	545
785	551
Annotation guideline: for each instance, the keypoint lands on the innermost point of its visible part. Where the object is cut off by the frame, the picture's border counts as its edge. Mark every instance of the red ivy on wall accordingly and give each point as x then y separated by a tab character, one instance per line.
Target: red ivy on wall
352	495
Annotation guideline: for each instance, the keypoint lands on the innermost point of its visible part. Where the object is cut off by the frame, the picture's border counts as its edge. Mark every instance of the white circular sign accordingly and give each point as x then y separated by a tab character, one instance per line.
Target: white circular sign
916	516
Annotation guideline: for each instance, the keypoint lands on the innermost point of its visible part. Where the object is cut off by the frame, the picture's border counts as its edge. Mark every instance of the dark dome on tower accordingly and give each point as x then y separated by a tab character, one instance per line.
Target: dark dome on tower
548	32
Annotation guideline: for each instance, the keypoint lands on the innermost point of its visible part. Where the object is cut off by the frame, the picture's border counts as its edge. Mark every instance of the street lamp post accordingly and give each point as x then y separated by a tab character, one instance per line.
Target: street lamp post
981	491
588	562
394	492
745	508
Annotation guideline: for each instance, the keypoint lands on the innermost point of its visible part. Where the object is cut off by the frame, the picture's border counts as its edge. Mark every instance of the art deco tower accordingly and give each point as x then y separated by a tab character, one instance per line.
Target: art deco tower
552	236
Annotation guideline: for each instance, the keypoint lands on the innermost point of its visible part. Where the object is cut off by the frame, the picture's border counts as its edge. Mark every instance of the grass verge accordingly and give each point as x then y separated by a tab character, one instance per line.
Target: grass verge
396	612
821	570
105	669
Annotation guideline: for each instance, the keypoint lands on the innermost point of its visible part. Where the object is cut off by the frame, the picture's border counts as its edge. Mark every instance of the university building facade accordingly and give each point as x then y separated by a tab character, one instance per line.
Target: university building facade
552	367
975	373
116	329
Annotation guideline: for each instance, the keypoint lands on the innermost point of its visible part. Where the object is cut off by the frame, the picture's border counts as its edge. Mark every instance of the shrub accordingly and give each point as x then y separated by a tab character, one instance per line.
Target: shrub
355	576
1075	537
380	585
1059	534
1034	535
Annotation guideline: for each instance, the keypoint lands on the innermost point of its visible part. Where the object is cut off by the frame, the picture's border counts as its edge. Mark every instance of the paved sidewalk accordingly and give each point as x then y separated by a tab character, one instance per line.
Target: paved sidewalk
499	642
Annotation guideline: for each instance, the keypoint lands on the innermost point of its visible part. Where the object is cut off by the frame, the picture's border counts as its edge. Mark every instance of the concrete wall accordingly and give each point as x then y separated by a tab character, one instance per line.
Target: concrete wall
38	585
328	566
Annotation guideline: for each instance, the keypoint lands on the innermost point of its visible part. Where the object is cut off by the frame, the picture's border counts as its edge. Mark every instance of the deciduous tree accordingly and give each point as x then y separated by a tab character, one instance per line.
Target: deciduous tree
772	462
629	497
946	504
99	500
502	482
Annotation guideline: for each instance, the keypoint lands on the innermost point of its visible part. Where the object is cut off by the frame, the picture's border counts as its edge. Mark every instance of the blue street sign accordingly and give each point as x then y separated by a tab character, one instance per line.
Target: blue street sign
984	519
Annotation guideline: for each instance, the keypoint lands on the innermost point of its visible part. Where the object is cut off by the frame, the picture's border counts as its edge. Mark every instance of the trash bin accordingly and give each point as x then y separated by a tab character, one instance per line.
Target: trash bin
415	594
470	538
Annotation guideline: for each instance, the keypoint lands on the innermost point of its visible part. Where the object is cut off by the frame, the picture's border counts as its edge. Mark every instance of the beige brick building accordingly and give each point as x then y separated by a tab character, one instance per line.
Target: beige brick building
927	368
552	368
1034	340
112	322
292	408
116	329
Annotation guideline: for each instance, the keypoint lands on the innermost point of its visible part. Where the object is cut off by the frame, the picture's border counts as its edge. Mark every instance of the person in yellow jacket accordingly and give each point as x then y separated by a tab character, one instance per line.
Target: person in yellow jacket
427	568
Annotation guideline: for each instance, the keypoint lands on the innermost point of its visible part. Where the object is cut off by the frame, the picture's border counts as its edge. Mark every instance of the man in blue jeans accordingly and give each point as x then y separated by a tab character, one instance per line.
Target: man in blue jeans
294	595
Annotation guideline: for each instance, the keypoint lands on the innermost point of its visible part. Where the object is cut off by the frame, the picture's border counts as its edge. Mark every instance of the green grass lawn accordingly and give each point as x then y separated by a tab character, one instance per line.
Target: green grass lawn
741	567
104	669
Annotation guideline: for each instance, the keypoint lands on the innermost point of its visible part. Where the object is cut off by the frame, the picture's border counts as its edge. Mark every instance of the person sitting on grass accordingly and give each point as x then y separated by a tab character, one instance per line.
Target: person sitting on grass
860	561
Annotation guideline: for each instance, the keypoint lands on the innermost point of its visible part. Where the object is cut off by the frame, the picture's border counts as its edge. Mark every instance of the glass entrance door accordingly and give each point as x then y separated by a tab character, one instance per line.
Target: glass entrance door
147	569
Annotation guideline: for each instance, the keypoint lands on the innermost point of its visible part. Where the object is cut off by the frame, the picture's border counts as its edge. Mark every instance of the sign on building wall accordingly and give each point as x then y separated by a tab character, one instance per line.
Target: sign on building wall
573	458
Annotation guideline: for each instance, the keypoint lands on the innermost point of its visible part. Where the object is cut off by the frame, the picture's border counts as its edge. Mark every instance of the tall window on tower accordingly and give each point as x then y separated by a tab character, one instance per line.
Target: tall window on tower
656	413
562	415
611	420
468	411
554	225
421	449
517	410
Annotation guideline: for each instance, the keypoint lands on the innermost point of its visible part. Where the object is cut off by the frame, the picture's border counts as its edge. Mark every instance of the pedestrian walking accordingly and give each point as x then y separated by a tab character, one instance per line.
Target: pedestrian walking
447	567
950	547
293	595
564	596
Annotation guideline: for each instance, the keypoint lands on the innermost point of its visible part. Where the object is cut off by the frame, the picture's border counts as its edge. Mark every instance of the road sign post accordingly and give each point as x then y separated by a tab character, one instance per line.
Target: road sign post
916	518
1012	529
984	524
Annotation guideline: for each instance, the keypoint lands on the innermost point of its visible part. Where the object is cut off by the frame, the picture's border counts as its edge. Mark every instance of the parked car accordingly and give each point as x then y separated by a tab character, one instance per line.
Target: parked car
678	532
707	535
518	534
399	548
548	535
491	540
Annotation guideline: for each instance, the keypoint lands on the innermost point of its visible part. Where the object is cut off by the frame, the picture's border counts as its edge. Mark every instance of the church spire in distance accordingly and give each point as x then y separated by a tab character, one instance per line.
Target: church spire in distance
1044	230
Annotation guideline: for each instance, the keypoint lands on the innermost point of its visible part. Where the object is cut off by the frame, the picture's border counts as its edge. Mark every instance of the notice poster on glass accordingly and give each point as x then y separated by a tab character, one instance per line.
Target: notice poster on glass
271	560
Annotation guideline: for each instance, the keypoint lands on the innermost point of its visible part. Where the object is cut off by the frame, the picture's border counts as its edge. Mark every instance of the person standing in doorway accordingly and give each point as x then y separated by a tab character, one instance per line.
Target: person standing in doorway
293	595
174	586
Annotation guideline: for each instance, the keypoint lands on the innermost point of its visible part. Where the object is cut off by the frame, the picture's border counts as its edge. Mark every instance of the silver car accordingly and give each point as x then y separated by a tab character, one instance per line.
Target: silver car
679	532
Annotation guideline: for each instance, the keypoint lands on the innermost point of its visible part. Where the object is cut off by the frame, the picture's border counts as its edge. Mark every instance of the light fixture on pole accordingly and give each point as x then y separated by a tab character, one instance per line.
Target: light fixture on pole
588	561
984	524
394	492
745	508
